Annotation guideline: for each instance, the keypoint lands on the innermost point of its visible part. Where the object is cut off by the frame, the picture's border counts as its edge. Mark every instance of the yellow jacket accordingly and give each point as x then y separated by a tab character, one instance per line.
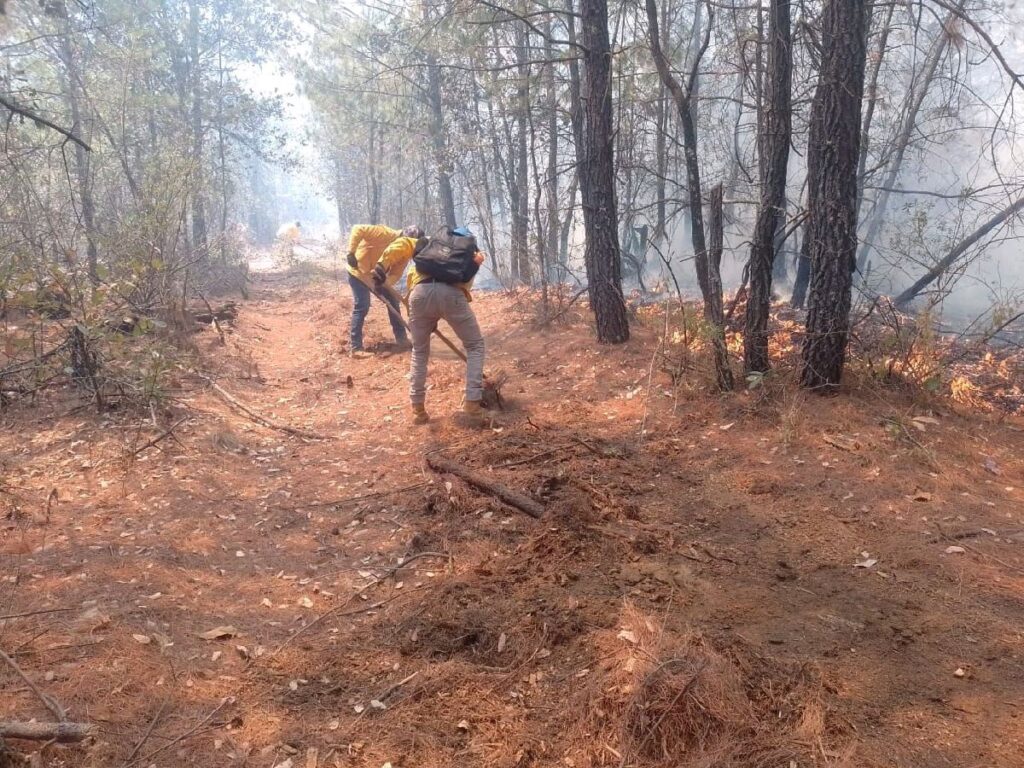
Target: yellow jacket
416	277
397	256
368	242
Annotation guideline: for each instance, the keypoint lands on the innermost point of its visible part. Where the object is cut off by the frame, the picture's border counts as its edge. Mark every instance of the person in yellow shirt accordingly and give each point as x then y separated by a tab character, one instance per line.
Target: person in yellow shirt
367	244
289	235
444	296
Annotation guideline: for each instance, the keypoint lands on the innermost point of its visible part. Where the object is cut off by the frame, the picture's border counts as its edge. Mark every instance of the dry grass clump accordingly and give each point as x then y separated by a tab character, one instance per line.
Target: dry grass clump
668	699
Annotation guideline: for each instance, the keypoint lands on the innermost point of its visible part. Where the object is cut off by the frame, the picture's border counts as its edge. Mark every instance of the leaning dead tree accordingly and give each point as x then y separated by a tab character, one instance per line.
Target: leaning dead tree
921	85
682	97
958	252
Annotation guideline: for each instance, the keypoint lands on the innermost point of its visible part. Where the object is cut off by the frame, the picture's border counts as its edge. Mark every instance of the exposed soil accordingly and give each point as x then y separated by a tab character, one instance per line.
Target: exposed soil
691	598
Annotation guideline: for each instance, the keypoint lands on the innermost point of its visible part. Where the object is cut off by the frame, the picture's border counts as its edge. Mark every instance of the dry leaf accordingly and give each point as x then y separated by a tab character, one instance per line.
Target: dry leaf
955	550
144	639
305	602
219	633
502	641
959	672
463	725
628	636
922	496
867	562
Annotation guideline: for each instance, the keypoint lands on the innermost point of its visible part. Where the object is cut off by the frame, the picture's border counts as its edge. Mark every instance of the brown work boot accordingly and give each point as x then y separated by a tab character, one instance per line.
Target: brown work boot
472	414
419	414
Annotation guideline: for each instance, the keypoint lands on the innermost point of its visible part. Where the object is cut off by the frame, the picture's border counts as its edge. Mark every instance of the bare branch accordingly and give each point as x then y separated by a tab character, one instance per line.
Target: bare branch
40	120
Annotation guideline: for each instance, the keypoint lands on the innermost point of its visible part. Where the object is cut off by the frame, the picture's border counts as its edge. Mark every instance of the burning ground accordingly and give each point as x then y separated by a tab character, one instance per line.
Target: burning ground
767	578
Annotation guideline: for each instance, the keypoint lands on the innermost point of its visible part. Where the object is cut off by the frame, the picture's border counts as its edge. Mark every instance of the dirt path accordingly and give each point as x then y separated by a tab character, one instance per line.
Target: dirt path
692	591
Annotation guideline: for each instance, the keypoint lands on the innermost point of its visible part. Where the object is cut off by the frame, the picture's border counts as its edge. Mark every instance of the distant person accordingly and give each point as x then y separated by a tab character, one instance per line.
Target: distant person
367	244
288	235
440	283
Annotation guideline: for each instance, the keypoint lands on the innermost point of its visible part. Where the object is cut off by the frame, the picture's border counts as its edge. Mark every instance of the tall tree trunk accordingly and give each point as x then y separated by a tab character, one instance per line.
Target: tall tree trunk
877	57
199	230
373	174
486	205
551	182
601	253
682	95
661	168
520	179
803	270
438	134
567	222
833	151
774	128
83	175
576	120
339	195
221	150
723	371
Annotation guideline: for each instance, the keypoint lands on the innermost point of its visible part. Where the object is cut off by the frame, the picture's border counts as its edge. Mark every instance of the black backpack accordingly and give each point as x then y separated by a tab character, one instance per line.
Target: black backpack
447	257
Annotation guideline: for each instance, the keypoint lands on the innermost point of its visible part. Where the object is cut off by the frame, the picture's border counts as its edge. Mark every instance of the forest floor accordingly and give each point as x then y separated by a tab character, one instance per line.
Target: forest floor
767	579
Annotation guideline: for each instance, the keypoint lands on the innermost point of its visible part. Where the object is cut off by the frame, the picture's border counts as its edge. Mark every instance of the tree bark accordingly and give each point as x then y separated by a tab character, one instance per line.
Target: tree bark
339	194
682	97
373	173
62	733
871	97
520	178
803	271
481	482
774	128
551	183
199	229
707	264
833	152
957	253
723	372
601	253
438	135
83	174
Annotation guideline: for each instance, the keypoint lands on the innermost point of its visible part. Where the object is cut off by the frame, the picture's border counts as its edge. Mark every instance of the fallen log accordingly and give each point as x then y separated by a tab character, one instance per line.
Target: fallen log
62	733
224	313
515	499
260	418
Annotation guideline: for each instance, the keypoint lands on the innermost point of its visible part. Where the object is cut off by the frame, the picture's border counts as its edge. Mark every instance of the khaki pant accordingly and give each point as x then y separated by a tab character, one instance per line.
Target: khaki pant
429	303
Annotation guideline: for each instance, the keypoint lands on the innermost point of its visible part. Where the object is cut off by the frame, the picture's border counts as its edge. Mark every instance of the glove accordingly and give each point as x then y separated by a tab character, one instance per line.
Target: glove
379	275
351	259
